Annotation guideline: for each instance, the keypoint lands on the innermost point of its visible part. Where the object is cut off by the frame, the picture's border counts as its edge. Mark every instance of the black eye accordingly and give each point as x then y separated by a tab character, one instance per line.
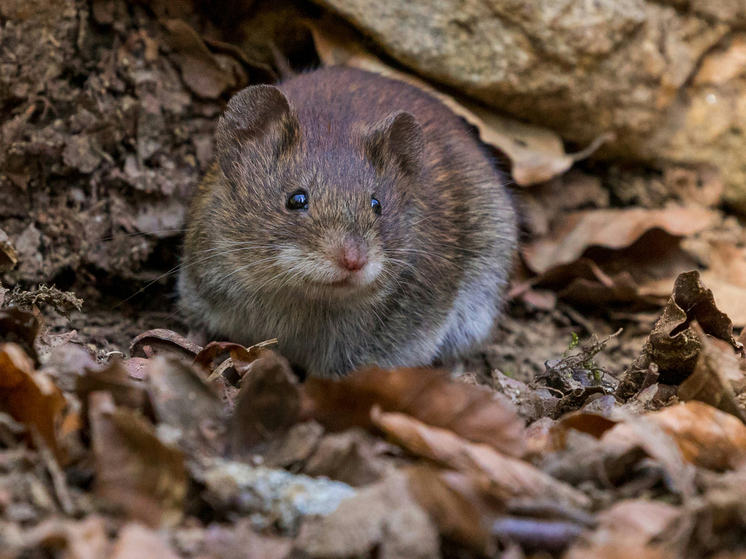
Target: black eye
298	200
376	205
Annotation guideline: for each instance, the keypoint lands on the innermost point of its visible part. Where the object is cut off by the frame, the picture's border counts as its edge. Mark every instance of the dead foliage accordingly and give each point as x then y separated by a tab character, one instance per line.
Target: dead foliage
631	444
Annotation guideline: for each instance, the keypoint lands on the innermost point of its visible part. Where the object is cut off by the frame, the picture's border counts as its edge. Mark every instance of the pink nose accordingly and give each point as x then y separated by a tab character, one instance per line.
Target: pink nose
353	256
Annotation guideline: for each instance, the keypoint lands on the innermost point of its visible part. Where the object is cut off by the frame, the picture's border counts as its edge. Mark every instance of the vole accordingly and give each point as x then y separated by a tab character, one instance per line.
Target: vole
353	217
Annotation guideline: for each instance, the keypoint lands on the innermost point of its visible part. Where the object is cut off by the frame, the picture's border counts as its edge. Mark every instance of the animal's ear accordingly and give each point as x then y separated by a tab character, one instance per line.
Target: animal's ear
255	113
397	138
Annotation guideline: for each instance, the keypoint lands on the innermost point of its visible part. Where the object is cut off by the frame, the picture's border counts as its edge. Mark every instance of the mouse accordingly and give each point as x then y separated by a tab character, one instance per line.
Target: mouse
353	217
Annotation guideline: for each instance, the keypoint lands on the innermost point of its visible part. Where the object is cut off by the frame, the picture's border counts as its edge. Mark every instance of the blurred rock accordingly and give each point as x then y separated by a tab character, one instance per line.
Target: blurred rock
666	79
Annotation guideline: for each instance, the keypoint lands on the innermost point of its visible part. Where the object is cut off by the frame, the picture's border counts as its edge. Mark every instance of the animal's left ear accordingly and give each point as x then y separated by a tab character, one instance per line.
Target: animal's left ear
398	138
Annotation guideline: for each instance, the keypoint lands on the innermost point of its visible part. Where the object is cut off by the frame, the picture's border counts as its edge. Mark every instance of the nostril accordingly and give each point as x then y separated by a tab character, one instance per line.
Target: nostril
353	257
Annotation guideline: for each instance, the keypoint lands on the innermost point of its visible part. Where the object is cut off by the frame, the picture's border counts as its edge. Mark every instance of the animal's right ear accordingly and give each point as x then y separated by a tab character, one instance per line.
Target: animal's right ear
254	113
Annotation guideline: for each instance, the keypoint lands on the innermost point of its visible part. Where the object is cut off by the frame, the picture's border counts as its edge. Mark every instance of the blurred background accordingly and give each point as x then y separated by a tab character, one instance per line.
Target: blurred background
619	124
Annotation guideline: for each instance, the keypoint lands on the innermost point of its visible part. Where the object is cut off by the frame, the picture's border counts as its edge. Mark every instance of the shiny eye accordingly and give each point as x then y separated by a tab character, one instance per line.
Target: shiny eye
298	200
376	205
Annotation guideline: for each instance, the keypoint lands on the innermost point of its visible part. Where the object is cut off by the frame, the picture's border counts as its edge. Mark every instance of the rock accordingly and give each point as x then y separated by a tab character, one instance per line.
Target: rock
667	78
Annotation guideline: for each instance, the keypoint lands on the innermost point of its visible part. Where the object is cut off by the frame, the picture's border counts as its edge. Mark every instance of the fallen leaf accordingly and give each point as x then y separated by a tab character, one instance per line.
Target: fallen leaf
137	542
184	401
134	469
73	539
508	477
610	228
268	403
710	382
30	397
114	380
673	345
627	530
726	276
383	519
706	436
354	457
200	69
232	542
163	342
469	411
297	446
458	504
537	154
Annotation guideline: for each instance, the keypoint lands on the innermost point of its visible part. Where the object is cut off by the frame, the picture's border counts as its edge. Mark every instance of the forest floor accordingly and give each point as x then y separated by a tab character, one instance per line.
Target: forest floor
605	419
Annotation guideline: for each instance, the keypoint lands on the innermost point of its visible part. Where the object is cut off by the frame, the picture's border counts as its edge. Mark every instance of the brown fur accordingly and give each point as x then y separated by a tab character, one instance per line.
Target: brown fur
444	240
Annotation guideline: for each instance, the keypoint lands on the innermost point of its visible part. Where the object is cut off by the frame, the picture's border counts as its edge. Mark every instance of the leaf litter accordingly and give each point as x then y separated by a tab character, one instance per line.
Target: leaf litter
178	450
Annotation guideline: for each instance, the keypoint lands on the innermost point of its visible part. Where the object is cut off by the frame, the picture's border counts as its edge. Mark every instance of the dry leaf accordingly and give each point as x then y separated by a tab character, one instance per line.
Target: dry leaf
31	397
707	437
116	381
537	154
353	457
233	541
82	539
673	345
134	469
458	504
268	403
711	380
296	447
508	476
137	542
469	411
163	342
200	69
382	519
726	276
614	229
184	401
628	530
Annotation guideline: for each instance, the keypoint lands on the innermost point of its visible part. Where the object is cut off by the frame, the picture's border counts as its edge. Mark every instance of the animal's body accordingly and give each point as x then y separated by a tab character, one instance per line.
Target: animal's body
354	218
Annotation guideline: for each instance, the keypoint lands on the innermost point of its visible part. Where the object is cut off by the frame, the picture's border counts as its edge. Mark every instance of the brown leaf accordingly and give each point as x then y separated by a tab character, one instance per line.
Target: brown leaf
114	380
612	228
297	446
469	411
673	345
268	403
458	504
353	457
711	380
163	342
508	476
628	530
200	69
381	520
134	469
706	436
183	400
82	539
214	354
537	154
726	276
30	397
233	541
137	542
